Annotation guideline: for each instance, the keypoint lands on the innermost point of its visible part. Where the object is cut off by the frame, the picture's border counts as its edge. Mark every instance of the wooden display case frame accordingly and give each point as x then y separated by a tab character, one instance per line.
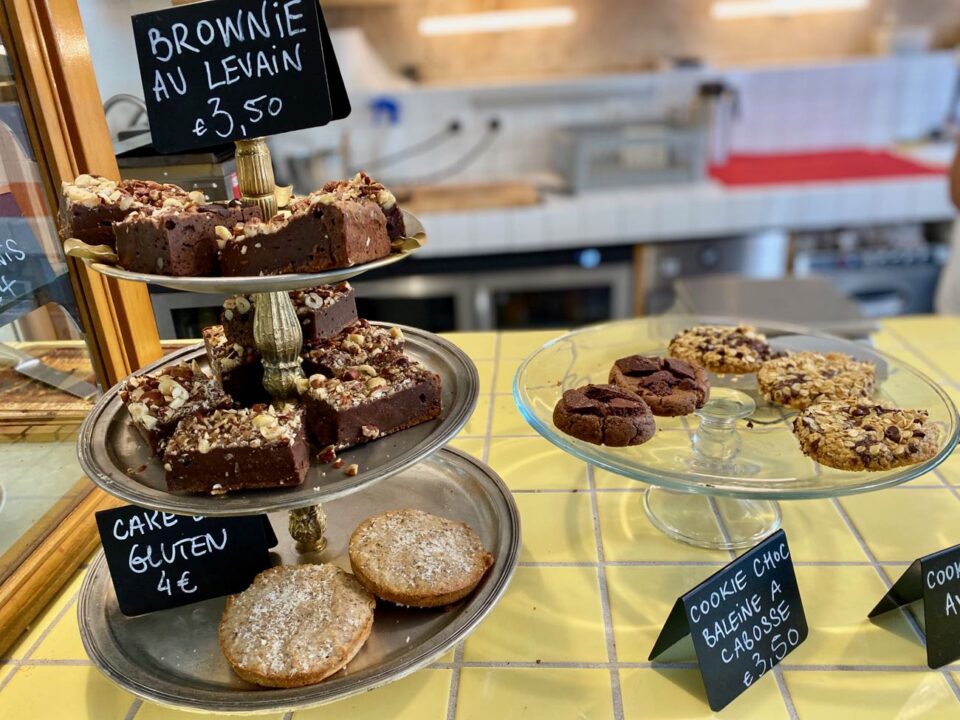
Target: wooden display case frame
57	91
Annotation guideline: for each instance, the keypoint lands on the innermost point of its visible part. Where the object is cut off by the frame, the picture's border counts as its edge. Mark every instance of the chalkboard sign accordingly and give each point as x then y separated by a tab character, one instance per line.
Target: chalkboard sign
24	266
936	580
160	560
743	620
230	69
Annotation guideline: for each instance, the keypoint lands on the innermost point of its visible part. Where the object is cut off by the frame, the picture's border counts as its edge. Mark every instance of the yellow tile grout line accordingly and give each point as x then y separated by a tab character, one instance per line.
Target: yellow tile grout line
604	588
20	662
457	664
864	546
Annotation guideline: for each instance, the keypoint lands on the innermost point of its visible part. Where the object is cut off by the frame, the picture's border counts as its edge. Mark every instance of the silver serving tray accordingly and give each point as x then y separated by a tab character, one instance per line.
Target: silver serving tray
115	457
267	283
173	656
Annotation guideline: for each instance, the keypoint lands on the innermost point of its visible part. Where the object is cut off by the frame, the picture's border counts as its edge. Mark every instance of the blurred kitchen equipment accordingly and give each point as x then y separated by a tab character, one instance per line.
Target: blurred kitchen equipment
717	107
31	367
555	289
808	301
886	270
624	154
212	170
761	255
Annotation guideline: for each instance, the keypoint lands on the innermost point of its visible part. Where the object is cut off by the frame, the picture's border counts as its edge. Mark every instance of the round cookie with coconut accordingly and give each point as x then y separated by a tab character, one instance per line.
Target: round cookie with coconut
722	349
296	625
411	557
800	379
864	435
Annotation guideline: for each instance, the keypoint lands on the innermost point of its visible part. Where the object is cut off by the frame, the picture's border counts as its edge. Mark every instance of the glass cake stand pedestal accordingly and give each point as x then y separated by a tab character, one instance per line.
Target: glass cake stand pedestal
715	477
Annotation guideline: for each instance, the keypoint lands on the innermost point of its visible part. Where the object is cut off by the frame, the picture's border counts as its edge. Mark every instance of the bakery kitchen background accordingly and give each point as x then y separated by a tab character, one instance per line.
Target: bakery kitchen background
479	358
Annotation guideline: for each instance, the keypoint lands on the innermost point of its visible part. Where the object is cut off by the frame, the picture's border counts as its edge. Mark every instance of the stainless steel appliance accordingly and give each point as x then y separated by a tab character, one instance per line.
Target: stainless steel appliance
630	153
761	255
887	270
551	289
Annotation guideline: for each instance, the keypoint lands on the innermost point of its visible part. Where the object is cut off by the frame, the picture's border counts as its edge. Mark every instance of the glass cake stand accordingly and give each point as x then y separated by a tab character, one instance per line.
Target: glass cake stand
714	477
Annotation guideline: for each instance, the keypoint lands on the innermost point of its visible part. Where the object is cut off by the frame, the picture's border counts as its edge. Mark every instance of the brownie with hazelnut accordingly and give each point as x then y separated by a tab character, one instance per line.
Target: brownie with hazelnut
362	185
237	367
323	312
159	400
178	239
397	395
92	204
359	344
342	225
264	446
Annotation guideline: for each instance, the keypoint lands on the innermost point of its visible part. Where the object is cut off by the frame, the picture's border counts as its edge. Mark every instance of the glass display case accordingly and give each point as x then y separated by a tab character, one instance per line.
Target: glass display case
64	332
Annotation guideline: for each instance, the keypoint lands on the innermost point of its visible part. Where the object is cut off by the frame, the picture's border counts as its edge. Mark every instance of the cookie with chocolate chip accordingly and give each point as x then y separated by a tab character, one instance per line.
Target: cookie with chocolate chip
722	349
800	379
864	435
669	386
604	415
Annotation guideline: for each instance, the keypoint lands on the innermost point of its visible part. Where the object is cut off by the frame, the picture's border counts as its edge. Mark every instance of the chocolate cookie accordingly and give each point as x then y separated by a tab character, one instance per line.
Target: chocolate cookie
863	435
604	415
800	379
722	349
669	386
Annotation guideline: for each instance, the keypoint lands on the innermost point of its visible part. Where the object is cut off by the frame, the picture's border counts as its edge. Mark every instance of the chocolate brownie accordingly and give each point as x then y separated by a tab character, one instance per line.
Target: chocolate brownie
604	415
238	367
259	447
864	435
158	401
359	344
324	230
669	386
722	349
362	185
800	379
378	402
93	203
323	312
178	239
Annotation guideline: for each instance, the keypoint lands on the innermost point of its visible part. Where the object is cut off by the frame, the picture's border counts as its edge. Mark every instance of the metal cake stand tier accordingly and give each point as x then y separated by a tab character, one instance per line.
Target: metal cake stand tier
173	656
269	283
117	459
715	476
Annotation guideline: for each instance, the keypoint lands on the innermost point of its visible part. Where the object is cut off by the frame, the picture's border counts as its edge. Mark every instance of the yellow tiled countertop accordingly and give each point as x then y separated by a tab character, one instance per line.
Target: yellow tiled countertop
596	581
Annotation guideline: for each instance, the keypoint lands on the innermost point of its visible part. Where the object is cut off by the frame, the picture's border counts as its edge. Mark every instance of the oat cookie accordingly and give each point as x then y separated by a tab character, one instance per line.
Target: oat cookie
800	379
411	557
296	625
669	386
864	435
722	349
604	415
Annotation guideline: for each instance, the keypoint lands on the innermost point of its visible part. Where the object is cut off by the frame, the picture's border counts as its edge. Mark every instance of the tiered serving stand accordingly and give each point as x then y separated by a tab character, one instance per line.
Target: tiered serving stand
715	477
173	656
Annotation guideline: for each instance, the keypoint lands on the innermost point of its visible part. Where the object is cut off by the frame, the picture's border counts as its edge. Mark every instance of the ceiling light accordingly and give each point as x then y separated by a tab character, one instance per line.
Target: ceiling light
498	21
736	9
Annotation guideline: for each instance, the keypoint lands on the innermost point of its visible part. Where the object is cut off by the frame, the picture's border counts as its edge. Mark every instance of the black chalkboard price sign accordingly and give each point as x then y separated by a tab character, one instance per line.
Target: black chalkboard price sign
936	580
743	620
231	69
159	560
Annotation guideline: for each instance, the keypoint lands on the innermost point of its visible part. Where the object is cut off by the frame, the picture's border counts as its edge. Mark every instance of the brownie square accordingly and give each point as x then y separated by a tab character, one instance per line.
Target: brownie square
92	204
259	447
237	367
178	239
362	185
319	232
358	344
158	401
323	312
383	400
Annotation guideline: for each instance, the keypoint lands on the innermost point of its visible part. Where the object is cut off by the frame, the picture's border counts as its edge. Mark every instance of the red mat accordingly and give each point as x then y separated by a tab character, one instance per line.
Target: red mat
818	167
